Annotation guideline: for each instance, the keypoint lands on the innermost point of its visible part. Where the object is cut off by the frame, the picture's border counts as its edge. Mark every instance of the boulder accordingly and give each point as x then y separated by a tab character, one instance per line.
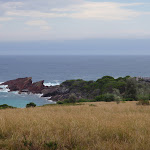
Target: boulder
19	84
36	87
50	91
59	97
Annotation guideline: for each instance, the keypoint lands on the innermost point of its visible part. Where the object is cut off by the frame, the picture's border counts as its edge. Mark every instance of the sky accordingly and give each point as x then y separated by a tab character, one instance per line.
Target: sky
75	27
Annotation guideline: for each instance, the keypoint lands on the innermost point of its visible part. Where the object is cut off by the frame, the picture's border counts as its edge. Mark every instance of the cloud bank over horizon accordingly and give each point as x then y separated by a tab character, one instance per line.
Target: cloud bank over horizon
73	19
78	47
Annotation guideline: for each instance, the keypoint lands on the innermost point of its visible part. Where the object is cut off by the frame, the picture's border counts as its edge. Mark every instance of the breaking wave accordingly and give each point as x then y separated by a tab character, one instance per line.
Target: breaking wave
51	83
3	88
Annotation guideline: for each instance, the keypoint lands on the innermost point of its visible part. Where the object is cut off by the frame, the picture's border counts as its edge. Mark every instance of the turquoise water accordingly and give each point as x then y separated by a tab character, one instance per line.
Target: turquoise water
20	100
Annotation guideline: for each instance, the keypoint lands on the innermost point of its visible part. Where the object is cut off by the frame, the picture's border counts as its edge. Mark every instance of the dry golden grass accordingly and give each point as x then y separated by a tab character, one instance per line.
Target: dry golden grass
106	126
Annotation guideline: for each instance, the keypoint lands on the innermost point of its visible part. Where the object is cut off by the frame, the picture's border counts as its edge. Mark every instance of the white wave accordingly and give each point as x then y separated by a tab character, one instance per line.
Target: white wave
39	95
3	88
51	84
52	101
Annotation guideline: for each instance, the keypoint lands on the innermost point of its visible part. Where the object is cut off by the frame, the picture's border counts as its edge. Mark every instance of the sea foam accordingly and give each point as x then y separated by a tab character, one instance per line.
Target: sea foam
51	84
3	88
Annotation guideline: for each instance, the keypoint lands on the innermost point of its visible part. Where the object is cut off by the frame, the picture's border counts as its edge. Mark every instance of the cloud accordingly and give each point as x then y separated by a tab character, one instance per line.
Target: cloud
41	5
39	23
80	19
12	5
36	23
84	10
9	6
103	11
45	27
34	14
5	18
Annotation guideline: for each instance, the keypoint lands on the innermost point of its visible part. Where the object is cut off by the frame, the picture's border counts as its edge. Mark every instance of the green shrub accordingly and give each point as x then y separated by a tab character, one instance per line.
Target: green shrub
66	101
72	98
4	106
143	97
105	97
60	102
107	77
117	99
30	105
143	102
131	88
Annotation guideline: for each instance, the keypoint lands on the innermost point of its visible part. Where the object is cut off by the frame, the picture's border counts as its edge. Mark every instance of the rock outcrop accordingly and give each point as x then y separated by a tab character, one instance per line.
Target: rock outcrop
25	85
50	91
19	84
36	87
66	89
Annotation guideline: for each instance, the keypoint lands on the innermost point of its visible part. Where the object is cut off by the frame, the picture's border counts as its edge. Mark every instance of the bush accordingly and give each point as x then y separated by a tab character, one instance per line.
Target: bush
131	88
30	105
105	97
117	99
66	101
72	98
143	102
143	97
60	103
4	106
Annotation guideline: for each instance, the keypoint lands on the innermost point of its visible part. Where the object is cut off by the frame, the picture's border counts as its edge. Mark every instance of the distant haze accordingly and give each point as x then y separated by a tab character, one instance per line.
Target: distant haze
78	47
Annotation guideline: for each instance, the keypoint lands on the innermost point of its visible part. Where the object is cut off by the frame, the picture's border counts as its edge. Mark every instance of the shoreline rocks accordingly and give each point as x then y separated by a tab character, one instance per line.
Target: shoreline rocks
18	84
55	93
79	88
25	85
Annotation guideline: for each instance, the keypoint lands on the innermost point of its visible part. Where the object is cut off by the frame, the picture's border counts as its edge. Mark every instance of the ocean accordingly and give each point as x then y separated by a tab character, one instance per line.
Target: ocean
56	69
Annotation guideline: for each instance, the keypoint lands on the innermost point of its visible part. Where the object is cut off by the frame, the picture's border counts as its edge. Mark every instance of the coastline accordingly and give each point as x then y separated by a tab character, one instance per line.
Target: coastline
80	89
19	100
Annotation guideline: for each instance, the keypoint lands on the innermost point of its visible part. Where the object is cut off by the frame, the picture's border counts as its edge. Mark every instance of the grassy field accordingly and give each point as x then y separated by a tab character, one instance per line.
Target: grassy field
92	126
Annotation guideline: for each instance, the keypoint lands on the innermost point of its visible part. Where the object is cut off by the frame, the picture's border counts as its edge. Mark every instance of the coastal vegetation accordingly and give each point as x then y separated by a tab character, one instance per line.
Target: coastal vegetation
31	105
90	126
107	89
5	106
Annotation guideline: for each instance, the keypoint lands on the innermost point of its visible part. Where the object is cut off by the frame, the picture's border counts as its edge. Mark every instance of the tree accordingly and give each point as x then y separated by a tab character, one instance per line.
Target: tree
131	88
30	105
